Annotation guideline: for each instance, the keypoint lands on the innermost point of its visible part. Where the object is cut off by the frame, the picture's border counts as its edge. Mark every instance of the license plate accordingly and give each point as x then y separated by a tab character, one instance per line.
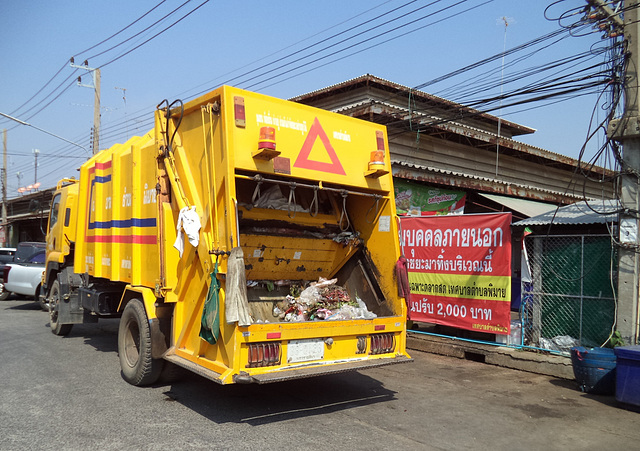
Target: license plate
305	350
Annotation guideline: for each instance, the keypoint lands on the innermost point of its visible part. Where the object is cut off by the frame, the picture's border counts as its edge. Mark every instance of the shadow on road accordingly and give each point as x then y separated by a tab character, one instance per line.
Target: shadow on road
608	399
102	336
280	401
252	404
24	304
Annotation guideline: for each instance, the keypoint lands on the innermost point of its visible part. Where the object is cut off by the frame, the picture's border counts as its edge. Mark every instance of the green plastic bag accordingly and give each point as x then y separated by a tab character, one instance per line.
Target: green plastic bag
210	322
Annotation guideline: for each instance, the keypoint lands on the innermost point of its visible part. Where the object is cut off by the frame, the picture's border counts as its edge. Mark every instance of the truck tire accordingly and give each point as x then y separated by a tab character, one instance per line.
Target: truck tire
54	301
134	346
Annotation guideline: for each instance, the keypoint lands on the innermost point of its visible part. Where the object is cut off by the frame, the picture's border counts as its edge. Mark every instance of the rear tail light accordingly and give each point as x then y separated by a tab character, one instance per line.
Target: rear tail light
5	273
382	343
377	157
238	111
264	354
380	140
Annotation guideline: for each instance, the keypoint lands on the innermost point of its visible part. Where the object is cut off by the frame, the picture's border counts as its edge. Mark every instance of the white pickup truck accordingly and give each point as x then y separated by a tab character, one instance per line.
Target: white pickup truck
24	275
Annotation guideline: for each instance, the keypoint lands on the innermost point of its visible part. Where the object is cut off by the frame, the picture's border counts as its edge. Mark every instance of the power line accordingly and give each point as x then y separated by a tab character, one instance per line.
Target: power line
140	32
336	48
155	35
288	71
121	30
52	92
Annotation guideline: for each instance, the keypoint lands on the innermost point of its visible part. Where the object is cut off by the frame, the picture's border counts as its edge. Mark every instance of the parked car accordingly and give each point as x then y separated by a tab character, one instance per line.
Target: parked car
24	274
6	256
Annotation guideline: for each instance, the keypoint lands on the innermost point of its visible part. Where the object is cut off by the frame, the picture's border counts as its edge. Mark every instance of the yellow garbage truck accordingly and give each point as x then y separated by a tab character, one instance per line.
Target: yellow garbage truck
245	238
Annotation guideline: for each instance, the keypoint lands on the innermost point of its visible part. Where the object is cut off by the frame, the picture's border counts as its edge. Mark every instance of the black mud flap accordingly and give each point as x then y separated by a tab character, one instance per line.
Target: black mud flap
70	309
158	339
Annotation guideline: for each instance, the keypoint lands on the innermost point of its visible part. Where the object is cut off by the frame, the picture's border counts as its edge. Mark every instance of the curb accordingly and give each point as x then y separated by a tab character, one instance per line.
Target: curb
517	359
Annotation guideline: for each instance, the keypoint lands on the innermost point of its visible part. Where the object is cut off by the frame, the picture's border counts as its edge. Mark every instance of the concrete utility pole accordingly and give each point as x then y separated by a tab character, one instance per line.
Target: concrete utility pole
627	131
4	187
36	152
95	73
629	253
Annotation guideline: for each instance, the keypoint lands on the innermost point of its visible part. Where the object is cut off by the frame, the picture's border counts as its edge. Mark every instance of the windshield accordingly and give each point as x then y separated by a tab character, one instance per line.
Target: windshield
27	250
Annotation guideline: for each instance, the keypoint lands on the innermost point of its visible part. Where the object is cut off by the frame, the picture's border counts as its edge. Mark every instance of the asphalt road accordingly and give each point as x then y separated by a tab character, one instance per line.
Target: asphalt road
67	393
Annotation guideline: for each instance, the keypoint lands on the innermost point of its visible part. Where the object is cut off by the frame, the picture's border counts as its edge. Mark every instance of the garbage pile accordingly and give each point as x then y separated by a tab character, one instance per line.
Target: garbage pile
562	343
322	300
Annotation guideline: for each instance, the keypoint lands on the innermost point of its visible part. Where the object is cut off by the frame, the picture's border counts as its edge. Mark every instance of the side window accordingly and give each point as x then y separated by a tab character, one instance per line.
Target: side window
55	206
37	258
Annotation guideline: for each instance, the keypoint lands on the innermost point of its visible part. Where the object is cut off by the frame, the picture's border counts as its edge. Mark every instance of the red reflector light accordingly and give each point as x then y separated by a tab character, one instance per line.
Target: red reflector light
273	335
238	111
382	343
380	327
380	140
264	354
376	161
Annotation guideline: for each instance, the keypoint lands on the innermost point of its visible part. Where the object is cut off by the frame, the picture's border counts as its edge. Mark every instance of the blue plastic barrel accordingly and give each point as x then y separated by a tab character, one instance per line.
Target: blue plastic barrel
628	374
594	369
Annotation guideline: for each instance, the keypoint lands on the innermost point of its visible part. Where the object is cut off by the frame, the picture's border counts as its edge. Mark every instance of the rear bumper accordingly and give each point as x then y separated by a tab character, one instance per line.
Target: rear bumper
299	373
284	374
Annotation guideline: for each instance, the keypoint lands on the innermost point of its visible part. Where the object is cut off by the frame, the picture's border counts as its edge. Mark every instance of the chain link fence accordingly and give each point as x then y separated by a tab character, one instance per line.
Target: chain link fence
570	300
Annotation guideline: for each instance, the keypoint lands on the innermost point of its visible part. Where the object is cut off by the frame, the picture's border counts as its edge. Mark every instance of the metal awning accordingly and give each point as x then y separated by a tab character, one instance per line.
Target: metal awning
525	206
593	212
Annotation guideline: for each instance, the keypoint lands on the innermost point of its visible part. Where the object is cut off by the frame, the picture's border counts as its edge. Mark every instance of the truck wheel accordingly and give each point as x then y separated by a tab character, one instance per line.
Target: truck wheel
54	305
134	346
4	295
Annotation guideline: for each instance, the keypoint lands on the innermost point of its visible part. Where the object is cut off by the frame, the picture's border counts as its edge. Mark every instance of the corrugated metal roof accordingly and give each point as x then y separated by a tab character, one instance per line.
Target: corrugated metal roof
524	206
438	119
484	179
591	212
466	130
517	129
372	78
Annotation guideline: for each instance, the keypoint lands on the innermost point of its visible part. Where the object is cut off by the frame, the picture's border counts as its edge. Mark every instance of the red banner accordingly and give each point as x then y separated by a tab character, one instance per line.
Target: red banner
460	270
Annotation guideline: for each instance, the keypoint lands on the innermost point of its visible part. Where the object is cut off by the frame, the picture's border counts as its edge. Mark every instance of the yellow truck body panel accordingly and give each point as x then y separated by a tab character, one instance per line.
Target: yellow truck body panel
313	201
118	228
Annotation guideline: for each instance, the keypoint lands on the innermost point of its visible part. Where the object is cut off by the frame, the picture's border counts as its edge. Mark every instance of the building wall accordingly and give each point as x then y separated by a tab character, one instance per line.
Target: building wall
451	156
27	217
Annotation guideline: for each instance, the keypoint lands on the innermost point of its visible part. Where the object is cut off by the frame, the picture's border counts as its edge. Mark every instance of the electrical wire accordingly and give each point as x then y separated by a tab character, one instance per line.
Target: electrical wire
55	93
166	16
309	69
224	76
550	93
155	35
124	29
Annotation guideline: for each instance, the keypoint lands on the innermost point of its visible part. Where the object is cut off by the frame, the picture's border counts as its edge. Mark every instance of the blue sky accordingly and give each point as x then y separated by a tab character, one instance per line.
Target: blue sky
228	42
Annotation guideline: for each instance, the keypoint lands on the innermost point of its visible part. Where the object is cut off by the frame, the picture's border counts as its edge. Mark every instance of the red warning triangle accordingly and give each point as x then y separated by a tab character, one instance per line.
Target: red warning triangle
303	161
